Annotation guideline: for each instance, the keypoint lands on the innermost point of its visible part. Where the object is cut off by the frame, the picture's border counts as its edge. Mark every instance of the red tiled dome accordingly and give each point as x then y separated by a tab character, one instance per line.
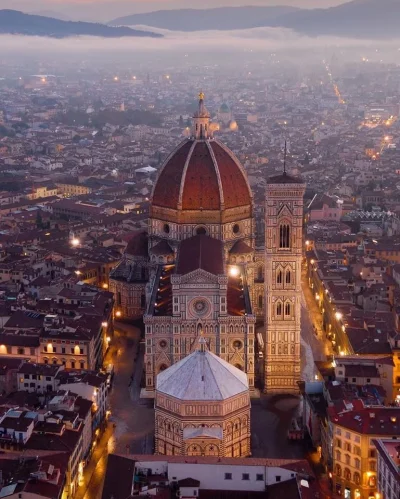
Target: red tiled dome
201	175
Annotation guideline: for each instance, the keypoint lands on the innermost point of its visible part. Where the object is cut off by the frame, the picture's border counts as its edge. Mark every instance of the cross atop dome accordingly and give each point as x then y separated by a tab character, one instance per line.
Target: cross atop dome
201	121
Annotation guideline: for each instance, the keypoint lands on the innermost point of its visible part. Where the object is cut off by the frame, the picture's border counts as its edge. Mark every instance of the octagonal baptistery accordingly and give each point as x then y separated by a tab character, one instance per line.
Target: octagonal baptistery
202	408
202	189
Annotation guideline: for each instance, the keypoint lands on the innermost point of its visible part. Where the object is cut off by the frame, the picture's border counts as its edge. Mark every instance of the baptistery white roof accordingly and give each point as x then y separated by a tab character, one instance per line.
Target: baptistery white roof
202	376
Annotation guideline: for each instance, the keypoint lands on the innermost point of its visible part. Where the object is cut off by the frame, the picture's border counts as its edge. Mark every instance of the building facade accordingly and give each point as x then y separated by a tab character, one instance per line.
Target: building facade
202	407
283	258
355	457
388	468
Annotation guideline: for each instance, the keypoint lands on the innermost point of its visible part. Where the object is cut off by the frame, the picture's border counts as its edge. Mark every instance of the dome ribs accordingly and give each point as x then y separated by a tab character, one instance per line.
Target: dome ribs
201	190
201	175
166	191
234	184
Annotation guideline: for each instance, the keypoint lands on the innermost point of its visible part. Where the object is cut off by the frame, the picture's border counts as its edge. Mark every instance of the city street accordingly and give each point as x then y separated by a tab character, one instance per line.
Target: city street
133	419
270	421
314	344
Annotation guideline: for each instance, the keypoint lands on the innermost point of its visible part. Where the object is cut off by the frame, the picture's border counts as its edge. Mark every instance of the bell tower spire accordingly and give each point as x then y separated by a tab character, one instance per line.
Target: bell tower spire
201	121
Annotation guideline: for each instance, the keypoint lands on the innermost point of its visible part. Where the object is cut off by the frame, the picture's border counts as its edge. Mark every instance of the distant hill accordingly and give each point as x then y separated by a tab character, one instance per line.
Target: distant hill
18	23
357	19
222	18
371	19
50	13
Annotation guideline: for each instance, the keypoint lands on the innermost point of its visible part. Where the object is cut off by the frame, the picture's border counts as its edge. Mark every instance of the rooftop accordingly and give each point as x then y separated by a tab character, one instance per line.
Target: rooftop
383	421
202	376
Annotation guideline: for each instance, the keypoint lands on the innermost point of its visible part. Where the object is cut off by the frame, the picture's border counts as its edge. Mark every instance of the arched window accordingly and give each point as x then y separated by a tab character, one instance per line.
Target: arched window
279	308
200	231
338	470
287	309
357	478
260	301
347	474
288	278
284	236
260	274
211	450
194	450
279	277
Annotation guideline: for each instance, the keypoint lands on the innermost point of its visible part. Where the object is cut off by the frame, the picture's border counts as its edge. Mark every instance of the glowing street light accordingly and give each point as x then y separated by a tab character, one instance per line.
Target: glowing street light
78	272
75	242
234	271
118	313
338	316
105	286
104	324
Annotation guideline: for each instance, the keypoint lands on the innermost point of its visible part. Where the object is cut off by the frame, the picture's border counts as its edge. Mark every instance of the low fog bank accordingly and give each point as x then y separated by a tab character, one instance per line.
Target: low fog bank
213	44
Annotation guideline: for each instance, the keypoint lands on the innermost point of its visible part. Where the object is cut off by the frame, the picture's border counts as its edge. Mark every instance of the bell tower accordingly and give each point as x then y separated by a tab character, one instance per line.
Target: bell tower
283	257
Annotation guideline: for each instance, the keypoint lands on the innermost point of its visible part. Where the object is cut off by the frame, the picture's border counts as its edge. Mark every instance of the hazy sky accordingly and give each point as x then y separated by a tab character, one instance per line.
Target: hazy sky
109	9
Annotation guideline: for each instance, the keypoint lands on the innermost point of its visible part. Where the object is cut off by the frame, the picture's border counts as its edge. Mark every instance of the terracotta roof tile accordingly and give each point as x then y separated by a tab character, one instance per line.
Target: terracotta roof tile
201	252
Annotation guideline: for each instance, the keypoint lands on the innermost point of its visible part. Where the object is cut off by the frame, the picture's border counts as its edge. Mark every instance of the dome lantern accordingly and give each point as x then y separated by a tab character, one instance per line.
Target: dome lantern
201	121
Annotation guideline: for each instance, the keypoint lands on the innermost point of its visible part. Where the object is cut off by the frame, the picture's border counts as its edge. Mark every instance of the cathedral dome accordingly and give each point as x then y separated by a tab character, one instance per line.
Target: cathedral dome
202	376
224	108
202	177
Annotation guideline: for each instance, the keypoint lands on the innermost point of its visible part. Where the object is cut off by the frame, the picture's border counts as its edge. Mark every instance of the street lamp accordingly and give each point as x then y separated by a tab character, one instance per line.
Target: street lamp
104	324
234	271
75	242
118	313
338	316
